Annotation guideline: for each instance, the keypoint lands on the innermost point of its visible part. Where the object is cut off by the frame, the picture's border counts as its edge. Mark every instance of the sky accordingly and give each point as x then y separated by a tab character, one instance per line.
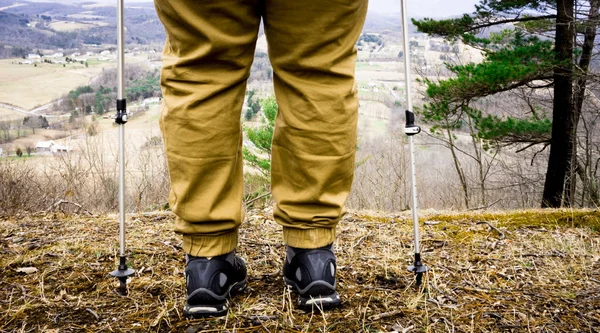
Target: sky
429	8
416	8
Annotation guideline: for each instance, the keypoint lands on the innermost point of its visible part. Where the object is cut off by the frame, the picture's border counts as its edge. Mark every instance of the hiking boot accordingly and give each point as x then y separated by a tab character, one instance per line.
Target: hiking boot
210	281
311	273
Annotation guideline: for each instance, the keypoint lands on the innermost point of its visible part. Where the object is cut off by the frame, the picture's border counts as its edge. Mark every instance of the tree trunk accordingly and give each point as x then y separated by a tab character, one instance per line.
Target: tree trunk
591	25
457	166
562	114
479	159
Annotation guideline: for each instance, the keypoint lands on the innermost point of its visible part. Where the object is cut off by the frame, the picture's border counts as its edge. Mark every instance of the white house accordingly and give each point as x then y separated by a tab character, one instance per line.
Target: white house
33	56
44	146
51	147
60	149
151	100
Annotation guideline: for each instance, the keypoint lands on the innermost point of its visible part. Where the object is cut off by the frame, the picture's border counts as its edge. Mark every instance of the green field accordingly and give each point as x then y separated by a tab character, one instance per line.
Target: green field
28	86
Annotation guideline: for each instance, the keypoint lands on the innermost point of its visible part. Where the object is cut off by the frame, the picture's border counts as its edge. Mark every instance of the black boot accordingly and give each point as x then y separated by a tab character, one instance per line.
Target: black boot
210	281
311	273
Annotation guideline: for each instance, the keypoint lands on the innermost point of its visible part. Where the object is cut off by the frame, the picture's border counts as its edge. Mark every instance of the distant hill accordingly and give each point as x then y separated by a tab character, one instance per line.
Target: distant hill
29	26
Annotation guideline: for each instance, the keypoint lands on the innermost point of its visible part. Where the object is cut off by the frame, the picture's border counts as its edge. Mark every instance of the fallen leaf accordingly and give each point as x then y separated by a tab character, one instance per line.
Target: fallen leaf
27	270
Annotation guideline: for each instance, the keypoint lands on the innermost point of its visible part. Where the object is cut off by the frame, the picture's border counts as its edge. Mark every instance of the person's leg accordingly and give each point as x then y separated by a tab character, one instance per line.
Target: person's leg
206	62
312	50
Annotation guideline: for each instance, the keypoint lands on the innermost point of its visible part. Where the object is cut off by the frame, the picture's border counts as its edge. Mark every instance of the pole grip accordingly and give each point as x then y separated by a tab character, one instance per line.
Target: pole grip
410	128
122	263
121	117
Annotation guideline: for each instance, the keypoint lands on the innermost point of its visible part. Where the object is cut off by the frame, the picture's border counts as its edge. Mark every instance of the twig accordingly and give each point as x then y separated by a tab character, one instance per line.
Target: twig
385	315
507	327
93	313
64	202
555	254
247	203
432	222
170	245
23	290
259	317
362	238
500	233
479	290
485	207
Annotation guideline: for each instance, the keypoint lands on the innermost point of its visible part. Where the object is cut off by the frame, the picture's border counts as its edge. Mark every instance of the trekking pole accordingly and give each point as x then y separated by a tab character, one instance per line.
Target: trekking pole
122	272
411	129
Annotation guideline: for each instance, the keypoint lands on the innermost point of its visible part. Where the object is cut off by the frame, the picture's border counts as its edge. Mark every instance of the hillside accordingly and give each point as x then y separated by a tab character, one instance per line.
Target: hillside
526	271
29	26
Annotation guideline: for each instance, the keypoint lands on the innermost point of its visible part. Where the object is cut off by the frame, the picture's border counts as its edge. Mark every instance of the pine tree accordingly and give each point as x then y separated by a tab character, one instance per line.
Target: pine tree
262	137
518	58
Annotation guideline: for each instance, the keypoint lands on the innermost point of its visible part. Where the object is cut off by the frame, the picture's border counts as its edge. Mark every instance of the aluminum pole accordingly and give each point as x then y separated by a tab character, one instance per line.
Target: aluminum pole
122	272
120	96
411	129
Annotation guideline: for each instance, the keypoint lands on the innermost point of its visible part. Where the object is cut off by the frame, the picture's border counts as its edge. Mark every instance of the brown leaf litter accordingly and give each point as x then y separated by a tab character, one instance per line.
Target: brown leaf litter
527	271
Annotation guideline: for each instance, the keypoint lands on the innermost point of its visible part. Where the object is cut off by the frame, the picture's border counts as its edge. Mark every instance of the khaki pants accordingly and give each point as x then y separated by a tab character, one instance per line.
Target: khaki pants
206	62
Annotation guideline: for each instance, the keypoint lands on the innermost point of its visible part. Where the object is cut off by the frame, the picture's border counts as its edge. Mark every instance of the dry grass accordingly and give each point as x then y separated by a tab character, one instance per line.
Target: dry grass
534	271
8	114
27	86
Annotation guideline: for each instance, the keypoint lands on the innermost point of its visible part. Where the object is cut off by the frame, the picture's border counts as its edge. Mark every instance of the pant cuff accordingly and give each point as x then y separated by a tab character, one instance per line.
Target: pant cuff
210	246
308	238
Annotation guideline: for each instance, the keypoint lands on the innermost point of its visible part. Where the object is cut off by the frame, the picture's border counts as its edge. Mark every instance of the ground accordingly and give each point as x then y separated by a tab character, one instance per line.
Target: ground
534	271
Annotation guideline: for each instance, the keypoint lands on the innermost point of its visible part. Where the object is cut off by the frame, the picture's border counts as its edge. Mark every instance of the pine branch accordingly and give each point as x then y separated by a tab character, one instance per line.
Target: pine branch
522	19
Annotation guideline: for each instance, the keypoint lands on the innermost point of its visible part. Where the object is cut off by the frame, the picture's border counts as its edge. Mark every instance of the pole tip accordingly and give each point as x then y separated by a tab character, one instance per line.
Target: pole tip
122	273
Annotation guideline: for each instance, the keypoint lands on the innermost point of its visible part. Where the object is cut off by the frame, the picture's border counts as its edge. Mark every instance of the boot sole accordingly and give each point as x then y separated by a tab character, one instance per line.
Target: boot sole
213	310
315	302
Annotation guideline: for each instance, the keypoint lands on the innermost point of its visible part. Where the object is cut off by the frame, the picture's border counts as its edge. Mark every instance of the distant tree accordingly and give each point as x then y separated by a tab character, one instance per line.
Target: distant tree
92	128
29	149
20	52
19	152
248	114
144	87
262	137
34	122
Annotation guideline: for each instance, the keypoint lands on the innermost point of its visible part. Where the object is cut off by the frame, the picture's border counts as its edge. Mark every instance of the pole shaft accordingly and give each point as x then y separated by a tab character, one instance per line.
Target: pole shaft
407	73
120	96
120	51
122	189
409	106
415	204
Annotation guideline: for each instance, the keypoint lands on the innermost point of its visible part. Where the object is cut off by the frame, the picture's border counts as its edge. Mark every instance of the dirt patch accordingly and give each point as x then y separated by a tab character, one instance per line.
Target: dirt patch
497	276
